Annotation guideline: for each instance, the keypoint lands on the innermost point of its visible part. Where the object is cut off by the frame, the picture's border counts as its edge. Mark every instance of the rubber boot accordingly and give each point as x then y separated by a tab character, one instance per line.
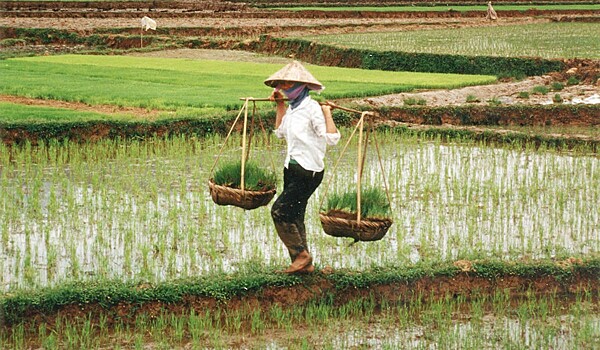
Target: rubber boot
302	230
291	237
302	264
295	241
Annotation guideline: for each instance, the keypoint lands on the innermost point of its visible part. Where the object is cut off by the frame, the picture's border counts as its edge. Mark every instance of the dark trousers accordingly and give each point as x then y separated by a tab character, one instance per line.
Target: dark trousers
289	209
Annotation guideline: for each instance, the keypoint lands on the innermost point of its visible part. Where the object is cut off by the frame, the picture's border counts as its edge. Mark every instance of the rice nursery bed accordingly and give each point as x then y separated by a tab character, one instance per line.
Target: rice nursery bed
140	210
196	87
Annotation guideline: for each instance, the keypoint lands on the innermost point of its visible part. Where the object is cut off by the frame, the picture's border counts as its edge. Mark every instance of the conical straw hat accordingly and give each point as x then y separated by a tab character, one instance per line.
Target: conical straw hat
296	72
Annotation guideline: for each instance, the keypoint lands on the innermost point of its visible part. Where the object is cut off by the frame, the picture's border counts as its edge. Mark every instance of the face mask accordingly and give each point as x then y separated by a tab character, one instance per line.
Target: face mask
295	91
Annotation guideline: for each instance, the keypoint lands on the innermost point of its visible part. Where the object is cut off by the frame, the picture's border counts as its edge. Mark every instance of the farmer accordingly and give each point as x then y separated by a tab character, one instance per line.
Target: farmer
307	128
491	13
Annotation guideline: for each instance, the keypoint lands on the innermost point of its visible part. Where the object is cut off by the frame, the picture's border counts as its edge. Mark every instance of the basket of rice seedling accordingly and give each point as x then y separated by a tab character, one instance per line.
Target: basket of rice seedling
257	189
341	218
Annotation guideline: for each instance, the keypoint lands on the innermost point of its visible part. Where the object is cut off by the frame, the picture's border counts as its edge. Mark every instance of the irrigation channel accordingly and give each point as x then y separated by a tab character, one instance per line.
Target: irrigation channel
141	209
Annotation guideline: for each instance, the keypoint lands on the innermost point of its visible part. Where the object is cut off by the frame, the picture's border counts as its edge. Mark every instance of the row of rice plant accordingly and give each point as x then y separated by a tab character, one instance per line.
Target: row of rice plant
140	209
453	322
547	40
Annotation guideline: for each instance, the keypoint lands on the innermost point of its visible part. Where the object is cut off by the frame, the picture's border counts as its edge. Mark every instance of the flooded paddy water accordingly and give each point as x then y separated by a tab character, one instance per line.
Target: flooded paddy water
140	210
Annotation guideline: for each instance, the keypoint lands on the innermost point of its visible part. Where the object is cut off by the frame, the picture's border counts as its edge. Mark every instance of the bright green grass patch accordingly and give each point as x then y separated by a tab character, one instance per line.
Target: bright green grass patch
546	40
15	113
19	114
443	8
164	83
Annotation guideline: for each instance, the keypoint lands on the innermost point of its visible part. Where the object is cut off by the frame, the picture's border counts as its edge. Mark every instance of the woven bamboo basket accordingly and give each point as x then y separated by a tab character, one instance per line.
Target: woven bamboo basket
223	195
342	224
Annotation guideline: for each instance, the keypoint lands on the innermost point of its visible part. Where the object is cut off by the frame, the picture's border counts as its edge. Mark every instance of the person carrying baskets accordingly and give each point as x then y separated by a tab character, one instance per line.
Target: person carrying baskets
491	13
307	128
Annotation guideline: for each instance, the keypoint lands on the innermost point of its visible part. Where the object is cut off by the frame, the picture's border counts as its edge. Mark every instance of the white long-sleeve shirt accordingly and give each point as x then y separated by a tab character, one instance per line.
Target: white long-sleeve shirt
305	132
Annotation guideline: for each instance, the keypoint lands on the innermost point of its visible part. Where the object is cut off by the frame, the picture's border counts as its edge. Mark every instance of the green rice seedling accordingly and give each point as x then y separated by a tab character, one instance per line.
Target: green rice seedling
547	40
257	322
50	341
540	90
510	201
279	316
178	327
373	203
573	80
523	94
256	178
494	101
461	321
557	86
557	98
189	88
472	99
411	101
138	342
194	329
443	8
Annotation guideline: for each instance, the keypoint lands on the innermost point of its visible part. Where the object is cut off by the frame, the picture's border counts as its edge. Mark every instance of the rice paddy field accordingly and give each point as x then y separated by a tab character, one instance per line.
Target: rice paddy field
547	40
139	210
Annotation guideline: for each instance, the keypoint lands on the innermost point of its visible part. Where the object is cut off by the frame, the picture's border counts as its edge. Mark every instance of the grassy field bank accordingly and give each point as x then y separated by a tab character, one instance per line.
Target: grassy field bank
552	304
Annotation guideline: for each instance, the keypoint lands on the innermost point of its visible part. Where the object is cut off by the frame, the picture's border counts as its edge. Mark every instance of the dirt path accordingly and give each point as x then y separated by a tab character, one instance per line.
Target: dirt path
504	93
314	25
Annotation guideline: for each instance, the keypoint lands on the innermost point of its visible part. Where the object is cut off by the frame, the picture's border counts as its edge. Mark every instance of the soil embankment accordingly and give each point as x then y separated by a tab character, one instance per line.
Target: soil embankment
468	279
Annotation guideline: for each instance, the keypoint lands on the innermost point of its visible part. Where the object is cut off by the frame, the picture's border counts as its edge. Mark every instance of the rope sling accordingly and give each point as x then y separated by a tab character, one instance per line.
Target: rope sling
361	229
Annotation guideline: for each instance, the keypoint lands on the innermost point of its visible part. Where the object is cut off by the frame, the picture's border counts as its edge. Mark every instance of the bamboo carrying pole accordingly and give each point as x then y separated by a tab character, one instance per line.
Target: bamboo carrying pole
325	104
